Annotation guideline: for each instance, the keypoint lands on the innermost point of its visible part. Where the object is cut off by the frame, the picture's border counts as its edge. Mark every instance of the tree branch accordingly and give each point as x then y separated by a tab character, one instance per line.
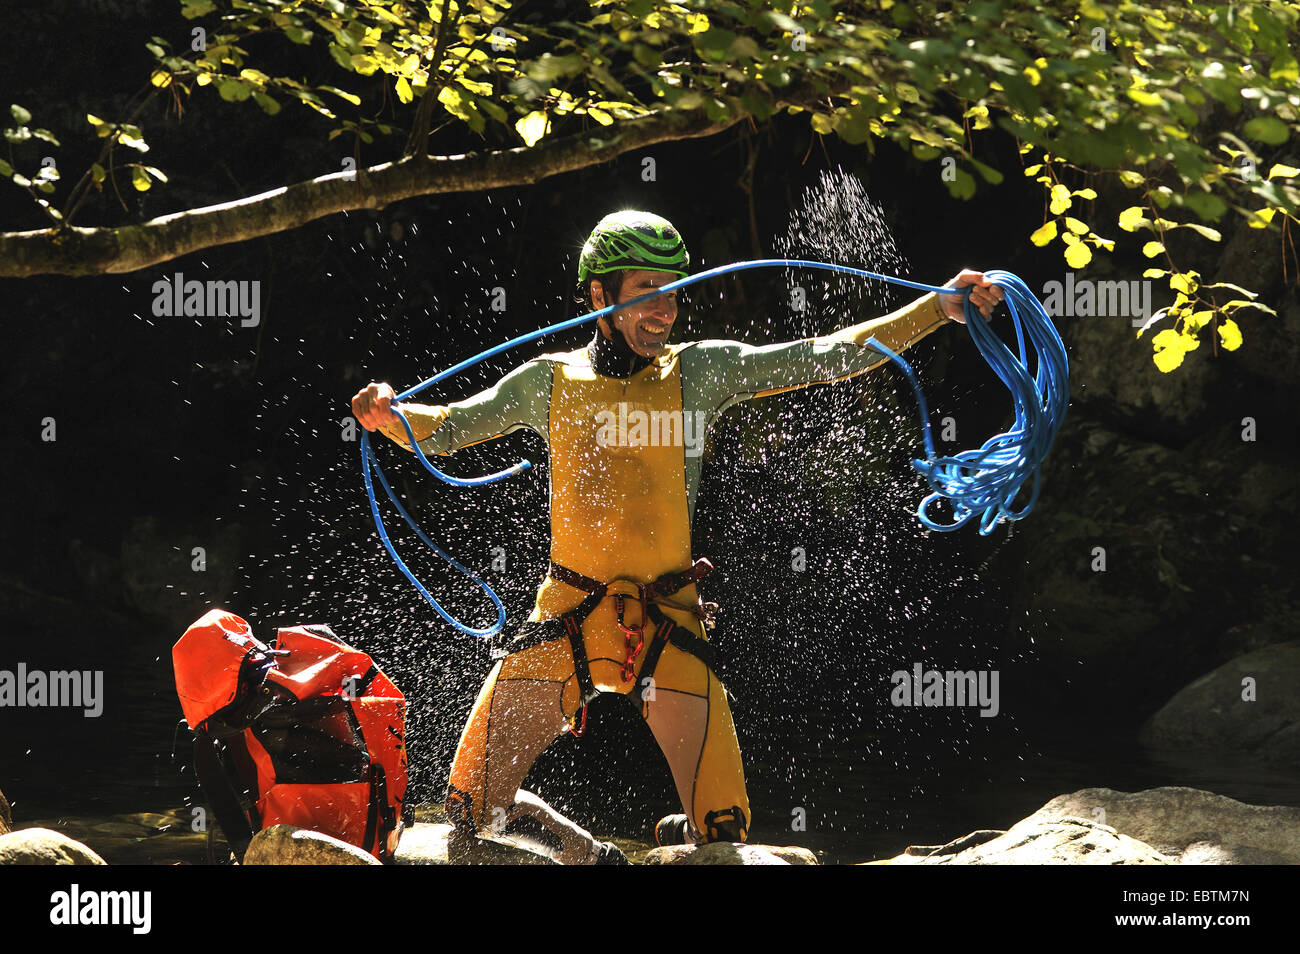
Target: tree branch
96	251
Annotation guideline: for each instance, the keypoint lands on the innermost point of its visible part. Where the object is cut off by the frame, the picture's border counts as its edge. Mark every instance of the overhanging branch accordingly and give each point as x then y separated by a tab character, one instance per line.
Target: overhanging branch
128	248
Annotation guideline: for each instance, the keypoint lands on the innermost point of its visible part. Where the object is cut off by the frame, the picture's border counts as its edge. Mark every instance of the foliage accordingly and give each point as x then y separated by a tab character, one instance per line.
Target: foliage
1090	89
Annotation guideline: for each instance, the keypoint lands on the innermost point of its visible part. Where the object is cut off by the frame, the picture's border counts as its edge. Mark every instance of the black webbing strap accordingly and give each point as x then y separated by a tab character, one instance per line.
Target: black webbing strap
668	631
579	581
648	664
581	668
235	811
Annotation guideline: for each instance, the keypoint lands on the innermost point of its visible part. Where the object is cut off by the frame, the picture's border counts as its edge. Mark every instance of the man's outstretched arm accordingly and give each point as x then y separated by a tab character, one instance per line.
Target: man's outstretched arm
520	399
731	371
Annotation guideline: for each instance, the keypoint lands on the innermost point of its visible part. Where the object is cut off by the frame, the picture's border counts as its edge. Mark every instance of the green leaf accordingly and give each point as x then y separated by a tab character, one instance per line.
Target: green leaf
1077	254
140	179
1229	335
352	98
1281	171
852	127
1285	69
1132	217
233	90
1237	288
963	186
1170	350
1152	249
6	170
1060	199
1044	233
268	103
1205	204
1203	230
21	115
989	174
1268	129
341	56
532	127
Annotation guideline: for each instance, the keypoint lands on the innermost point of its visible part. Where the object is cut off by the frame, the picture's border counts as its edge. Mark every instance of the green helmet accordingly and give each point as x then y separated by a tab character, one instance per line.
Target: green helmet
639	240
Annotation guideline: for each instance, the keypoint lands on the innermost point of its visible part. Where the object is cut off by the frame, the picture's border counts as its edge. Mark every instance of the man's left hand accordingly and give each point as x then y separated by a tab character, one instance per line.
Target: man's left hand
985	295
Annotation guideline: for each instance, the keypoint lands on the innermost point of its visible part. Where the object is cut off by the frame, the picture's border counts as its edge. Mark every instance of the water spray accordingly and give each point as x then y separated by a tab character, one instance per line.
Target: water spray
983	481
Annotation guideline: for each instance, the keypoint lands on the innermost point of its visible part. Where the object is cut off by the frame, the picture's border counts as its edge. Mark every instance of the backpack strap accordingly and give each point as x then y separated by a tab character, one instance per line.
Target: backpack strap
235	812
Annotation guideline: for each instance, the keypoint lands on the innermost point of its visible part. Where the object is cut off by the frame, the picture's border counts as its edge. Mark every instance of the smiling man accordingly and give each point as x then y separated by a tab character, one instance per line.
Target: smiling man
618	610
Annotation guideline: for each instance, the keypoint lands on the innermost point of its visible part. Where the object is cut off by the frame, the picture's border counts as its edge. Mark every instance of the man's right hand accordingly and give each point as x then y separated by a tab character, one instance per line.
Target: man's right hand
372	406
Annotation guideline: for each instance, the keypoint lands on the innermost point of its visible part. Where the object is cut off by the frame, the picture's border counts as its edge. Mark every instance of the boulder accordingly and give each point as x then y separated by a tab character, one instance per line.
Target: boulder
41	846
440	844
290	845
6	816
1212	715
730	853
1061	840
1158	826
1193	826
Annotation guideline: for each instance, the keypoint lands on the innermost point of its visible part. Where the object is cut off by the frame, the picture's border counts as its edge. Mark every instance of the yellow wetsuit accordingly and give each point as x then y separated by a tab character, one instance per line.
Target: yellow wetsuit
624	464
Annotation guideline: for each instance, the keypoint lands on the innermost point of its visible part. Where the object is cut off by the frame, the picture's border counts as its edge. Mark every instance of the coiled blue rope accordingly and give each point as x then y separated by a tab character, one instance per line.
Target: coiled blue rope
983	481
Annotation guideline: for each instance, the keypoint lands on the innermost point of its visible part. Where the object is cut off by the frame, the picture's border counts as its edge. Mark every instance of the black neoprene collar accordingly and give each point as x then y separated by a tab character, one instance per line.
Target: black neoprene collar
614	357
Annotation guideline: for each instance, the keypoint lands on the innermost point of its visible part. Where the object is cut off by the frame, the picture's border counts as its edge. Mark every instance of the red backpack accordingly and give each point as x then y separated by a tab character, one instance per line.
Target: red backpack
306	732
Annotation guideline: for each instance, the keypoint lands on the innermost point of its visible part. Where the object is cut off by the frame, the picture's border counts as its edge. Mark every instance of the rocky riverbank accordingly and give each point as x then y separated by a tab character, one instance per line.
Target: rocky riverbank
1094	826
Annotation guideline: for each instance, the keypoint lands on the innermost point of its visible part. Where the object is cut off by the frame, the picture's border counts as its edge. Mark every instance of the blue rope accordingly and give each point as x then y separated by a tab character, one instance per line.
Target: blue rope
983	481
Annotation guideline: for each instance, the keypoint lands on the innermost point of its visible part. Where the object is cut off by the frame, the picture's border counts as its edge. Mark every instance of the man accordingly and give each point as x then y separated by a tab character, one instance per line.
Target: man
618	610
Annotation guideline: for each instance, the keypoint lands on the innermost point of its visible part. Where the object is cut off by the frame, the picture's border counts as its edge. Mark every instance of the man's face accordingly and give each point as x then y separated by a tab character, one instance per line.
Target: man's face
645	326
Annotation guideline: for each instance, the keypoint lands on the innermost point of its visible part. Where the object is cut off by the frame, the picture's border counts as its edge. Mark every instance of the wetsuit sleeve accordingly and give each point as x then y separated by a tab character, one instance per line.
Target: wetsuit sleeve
520	399
731	371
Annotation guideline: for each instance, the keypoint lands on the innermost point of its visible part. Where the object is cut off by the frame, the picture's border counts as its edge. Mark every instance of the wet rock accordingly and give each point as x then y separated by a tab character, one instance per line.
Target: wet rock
1039	841
1212	715
1157	826
6	817
290	845
730	853
440	844
1193	826
41	846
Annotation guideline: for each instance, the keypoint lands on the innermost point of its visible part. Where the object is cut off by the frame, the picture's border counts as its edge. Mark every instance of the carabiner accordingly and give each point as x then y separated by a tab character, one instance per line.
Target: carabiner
620	606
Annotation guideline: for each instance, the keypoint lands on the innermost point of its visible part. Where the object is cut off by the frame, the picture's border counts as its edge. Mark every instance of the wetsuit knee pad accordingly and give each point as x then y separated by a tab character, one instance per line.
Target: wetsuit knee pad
727	824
